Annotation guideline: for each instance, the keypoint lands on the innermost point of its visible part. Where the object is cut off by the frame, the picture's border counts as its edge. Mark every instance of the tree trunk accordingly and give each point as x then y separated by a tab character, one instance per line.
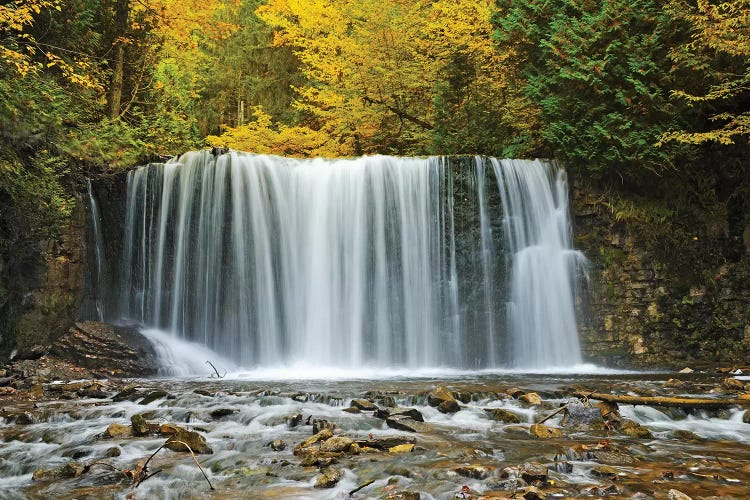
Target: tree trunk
122	9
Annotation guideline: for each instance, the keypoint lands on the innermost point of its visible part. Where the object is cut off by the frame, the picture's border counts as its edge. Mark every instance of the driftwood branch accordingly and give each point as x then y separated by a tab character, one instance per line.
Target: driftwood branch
216	371
361	486
552	414
697	403
195	460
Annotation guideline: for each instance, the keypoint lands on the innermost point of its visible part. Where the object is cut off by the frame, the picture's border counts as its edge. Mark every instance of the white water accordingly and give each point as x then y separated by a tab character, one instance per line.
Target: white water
99	270
360	263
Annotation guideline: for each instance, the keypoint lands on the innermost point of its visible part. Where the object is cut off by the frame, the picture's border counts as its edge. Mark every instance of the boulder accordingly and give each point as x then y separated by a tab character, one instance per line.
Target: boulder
153	396
277	445
733	384
329	477
118	431
114	350
386	443
412	413
440	395
401	448
311	441
195	441
364	405
66	471
531	398
336	444
449	407
403	423
677	495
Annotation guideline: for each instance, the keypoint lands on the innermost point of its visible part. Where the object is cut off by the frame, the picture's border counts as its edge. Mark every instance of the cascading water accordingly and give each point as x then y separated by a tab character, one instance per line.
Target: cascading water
376	261
99	273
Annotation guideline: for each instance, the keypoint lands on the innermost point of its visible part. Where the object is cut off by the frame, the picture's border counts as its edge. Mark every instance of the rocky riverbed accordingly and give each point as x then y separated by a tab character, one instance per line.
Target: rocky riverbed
70	433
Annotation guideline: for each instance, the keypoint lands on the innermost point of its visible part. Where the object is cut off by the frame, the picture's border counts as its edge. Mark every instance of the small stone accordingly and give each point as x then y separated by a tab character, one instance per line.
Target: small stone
405	424
277	445
541	431
222	412
635	430
22	418
36	391
401	448
687	369
746	417
114	451
404	495
294	420
501	415
129	393
352	409
535	474
531	398
204	392
386	443
472	471
677	495
604	471
328	478
319	424
5	391
118	431
364	405
141	427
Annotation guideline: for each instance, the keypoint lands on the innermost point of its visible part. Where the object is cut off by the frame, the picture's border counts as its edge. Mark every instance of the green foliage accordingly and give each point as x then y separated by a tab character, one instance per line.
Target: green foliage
600	74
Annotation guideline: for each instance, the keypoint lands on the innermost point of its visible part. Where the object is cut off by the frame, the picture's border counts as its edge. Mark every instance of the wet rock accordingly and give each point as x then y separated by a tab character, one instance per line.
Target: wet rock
21	418
403	495
204	392
746	417
364	405
320	424
352	410
515	392
603	471
449	407
501	415
6	391
440	395
129	393
733	384
294	420
541	431
115	350
66	471
576	415
387	401
386	443
677	495
336	444
141	427
222	412
472	471
402	423
684	435
534	493
311	441
114	451
635	430
277	445
412	413
153	396
531	398
183	437
382	413
535	474
687	369
401	448
329	477
118	431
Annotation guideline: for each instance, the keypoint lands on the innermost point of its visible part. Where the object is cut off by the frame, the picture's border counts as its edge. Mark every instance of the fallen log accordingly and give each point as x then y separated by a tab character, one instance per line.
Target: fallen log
664	401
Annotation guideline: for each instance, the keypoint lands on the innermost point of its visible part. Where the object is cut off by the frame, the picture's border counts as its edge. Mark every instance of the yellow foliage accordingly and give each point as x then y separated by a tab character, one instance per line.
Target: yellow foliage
372	67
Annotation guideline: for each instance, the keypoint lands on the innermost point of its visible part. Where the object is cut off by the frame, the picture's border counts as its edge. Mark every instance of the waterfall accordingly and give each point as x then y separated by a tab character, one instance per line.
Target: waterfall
98	276
379	261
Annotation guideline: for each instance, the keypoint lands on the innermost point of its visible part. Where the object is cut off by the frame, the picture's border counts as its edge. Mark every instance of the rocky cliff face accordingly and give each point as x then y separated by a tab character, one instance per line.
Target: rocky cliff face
47	291
663	291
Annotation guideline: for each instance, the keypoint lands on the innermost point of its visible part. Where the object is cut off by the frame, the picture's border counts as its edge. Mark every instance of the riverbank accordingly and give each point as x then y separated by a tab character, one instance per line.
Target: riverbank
394	438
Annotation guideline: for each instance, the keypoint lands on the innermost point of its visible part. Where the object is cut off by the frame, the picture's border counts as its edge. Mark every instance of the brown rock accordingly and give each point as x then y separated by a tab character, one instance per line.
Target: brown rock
328	478
733	384
472	471
118	431
541	431
502	415
449	407
364	405
531	398
336	444
439	395
195	441
311	441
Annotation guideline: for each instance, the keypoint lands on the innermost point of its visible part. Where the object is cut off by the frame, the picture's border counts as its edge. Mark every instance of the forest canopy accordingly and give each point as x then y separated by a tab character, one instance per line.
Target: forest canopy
623	91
